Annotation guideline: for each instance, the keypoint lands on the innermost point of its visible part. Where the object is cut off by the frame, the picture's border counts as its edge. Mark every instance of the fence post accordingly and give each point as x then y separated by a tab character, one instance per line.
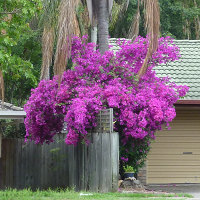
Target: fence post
102	159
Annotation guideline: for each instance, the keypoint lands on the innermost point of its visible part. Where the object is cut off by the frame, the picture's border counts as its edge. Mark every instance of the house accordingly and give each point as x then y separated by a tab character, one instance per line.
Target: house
175	154
9	111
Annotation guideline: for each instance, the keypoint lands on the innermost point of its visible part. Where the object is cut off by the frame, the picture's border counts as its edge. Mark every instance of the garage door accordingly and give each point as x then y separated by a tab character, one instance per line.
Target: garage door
175	154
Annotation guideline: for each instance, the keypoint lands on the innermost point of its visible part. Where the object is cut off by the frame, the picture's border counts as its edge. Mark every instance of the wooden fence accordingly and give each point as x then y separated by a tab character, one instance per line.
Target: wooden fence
93	167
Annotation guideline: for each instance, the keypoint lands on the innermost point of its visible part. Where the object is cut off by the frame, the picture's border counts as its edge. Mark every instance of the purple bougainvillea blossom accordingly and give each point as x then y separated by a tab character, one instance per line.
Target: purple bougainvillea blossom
96	82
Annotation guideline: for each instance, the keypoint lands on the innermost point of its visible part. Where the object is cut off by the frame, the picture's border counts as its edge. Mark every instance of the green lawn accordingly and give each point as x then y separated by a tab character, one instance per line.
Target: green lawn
71	195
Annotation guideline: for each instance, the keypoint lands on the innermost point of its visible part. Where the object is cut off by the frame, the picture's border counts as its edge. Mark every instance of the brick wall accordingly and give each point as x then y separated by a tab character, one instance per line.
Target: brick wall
142	174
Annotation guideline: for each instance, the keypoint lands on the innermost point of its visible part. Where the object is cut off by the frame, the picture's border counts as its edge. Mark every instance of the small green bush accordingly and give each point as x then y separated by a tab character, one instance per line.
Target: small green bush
128	168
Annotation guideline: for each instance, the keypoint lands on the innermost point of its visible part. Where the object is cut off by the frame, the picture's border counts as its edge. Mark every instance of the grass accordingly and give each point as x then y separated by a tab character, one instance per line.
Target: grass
71	195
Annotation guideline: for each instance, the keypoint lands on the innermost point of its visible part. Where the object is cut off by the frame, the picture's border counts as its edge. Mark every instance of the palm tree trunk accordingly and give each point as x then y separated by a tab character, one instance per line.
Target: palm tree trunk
94	34
103	20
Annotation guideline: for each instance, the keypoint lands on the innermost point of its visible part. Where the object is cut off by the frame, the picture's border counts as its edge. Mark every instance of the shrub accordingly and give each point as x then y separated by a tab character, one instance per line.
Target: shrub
97	82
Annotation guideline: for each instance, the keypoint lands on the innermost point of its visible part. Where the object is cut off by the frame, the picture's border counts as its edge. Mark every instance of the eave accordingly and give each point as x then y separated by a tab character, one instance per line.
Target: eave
188	102
12	114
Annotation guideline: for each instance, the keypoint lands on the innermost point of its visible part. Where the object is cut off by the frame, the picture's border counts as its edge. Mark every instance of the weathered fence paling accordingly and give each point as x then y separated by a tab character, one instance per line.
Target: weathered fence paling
91	167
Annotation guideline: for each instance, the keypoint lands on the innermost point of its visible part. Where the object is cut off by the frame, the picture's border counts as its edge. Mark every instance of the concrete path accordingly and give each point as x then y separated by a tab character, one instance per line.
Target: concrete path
193	189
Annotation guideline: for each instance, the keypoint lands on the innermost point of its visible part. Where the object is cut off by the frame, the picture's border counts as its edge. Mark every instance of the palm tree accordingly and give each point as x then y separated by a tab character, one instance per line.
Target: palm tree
49	24
99	12
67	26
152	24
59	16
104	8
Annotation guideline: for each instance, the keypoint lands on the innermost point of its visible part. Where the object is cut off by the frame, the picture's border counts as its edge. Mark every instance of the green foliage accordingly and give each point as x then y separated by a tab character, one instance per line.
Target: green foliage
120	24
82	17
12	129
50	11
128	168
177	19
17	50
18	83
175	15
136	156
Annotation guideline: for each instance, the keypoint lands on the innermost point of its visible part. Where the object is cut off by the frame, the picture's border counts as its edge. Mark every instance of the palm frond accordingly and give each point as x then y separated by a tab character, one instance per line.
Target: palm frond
115	14
134	28
83	18
67	26
118	12
48	22
50	12
47	52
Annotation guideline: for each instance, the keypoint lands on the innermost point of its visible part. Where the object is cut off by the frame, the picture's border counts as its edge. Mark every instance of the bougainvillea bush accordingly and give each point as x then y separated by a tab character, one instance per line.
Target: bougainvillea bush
97	82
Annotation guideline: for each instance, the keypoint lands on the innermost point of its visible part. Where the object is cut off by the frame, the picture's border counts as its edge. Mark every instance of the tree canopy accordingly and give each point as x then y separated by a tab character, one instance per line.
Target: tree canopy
17	51
179	19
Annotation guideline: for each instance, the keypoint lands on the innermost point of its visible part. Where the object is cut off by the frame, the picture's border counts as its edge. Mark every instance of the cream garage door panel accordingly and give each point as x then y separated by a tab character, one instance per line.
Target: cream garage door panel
175	145
174	151
175	154
187	126
178	174
169	133
172	163
175	157
174	169
185	139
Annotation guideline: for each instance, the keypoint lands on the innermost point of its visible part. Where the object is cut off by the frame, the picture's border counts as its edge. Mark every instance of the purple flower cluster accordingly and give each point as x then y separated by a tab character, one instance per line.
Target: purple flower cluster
97	82
124	159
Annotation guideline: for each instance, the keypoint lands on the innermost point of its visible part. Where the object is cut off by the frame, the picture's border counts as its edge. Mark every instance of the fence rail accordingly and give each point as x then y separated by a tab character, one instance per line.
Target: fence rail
93	167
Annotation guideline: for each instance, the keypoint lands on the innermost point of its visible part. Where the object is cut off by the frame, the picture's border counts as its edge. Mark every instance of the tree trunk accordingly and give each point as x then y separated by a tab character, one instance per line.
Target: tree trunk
103	20
94	34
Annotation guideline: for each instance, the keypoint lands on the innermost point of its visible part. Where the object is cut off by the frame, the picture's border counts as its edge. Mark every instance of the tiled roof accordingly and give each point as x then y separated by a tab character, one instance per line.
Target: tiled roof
184	71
